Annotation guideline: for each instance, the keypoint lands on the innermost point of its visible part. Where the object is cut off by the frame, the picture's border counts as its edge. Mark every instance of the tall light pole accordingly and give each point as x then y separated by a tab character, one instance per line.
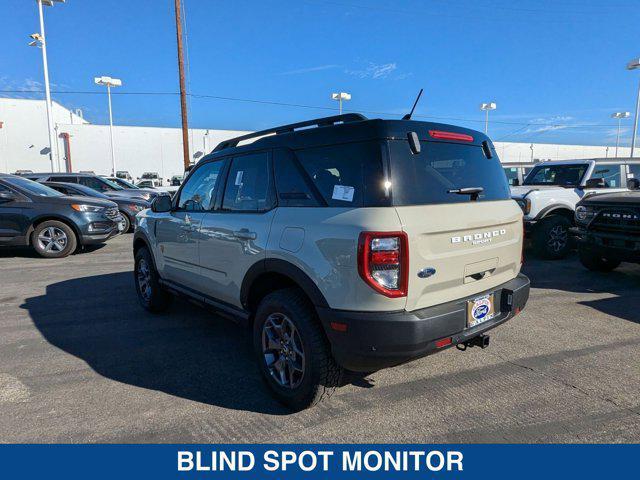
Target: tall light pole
340	97
39	40
619	116
486	107
632	65
110	82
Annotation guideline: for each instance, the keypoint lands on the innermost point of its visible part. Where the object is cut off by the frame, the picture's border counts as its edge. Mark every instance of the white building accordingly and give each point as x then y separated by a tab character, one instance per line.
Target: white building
82	146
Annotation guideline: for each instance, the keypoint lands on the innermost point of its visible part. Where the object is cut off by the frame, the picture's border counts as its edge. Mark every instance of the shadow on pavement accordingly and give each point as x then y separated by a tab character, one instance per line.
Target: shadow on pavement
188	352
569	275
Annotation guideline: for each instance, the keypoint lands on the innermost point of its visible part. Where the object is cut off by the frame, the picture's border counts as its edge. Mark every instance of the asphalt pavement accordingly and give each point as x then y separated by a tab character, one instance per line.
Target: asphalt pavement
81	361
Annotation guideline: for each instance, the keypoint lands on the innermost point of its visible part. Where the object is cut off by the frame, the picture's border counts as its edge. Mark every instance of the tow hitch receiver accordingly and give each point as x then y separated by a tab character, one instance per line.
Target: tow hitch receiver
481	341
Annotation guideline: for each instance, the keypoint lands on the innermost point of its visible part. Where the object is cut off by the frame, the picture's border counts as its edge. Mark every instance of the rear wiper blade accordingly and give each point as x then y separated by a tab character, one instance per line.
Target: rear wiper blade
473	192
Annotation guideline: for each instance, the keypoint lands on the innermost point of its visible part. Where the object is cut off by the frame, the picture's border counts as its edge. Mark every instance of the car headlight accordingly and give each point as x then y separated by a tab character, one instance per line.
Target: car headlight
584	214
146	196
80	207
524	204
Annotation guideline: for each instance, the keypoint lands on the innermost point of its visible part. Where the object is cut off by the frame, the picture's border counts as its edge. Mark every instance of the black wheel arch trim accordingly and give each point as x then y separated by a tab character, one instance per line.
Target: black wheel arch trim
140	236
56	218
550	209
287	269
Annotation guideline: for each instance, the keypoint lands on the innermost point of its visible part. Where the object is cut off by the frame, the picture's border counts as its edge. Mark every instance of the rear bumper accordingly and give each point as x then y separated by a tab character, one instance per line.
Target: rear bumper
614	246
376	340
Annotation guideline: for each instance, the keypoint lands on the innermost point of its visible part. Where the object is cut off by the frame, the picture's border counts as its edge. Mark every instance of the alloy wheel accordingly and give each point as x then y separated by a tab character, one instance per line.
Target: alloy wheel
283	350
52	239
144	280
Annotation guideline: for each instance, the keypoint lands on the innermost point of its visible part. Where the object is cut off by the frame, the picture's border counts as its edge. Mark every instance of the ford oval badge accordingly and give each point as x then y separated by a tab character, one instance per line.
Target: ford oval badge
426	272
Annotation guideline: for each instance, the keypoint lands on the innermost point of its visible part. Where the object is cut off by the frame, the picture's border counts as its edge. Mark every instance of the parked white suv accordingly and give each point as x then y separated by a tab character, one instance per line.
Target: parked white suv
358	244
551	190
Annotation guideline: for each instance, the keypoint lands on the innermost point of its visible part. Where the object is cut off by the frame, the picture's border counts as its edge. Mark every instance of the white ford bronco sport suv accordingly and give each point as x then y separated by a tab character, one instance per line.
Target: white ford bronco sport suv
550	192
355	245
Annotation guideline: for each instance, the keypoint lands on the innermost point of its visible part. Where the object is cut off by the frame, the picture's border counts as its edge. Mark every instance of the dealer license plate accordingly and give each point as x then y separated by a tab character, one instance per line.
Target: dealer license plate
480	310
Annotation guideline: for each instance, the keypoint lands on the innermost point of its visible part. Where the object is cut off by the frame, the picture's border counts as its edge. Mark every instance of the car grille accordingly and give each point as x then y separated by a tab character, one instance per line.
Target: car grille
112	213
617	220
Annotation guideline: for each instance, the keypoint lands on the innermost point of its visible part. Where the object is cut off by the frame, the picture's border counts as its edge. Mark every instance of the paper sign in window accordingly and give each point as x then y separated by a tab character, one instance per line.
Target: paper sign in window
343	193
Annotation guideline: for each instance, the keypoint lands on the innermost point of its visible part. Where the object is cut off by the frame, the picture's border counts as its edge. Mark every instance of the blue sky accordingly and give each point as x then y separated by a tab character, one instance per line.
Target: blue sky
555	68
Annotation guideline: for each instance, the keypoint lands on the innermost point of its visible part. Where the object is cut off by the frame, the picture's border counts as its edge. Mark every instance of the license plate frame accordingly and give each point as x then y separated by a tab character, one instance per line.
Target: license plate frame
480	310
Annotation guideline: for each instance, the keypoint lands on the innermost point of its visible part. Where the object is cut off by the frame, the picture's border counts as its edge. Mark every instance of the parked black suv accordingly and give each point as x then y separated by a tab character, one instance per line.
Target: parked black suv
128	207
52	223
608	229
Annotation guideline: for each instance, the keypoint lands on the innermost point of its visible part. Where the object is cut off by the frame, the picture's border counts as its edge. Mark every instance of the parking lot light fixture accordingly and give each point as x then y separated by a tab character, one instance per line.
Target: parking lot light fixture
39	40
486	107
110	82
340	97
634	65
619	116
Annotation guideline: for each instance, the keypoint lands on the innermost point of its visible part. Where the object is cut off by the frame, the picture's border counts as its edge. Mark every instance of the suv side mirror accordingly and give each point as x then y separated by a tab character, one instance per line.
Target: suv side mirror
162	204
595	183
633	184
6	197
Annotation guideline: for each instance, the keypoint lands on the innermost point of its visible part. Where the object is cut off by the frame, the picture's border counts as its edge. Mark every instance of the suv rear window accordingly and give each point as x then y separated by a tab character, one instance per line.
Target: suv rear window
346	175
426	178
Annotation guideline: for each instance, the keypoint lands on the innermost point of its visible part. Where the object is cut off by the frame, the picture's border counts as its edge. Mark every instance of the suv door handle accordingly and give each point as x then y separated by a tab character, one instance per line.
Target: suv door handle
245	234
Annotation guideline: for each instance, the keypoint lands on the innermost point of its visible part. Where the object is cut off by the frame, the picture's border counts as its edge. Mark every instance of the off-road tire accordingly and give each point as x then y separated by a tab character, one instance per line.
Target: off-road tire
322	374
158	299
591	260
545	238
70	241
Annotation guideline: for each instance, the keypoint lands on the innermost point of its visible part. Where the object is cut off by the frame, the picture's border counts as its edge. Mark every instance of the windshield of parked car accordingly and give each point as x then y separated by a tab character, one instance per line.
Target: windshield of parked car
123	183
113	184
561	175
34	188
150	175
90	192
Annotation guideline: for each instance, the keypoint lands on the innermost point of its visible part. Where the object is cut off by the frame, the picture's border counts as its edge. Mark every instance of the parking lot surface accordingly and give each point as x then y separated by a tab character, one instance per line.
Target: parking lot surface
80	361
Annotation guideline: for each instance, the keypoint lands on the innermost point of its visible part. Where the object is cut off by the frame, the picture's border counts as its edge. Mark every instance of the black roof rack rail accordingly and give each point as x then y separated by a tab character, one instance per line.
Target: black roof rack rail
319	122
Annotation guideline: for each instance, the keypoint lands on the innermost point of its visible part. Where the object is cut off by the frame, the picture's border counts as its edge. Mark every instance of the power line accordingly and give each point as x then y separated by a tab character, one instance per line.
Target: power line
312	107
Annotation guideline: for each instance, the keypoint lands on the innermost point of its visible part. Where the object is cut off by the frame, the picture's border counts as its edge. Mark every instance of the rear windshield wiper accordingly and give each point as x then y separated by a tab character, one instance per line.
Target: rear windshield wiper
473	192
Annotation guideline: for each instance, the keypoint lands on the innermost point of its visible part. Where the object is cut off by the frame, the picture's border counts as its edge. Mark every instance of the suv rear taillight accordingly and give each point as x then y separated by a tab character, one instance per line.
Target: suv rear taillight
383	262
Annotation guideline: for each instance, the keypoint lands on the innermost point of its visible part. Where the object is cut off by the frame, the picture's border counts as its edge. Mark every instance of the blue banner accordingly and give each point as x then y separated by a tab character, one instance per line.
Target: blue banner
495	462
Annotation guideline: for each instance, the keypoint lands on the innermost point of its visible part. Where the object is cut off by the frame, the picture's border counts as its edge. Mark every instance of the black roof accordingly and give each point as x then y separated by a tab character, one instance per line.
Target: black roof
351	127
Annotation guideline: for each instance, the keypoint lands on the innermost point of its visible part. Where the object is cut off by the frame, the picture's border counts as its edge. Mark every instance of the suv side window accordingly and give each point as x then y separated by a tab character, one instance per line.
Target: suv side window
247	188
293	189
94	183
199	192
634	170
346	175
610	173
64	179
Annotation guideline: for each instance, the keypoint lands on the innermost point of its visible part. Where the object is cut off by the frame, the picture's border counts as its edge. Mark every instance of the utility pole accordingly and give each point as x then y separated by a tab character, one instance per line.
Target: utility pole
183	95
